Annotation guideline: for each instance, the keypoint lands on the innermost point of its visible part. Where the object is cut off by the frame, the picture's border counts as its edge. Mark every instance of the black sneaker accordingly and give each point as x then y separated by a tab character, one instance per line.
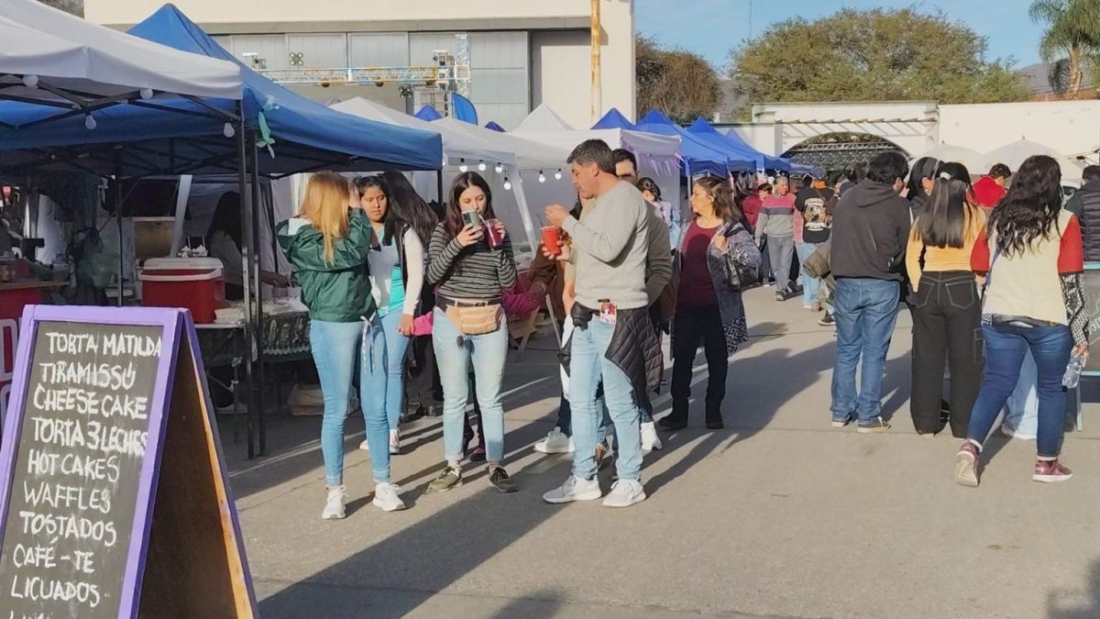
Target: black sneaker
827	320
873	426
714	422
449	479
501	481
669	424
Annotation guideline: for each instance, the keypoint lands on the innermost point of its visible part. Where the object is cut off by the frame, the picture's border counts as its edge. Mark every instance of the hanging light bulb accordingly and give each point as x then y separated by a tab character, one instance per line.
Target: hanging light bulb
462	167
542	177
146	93
89	122
499	168
507	184
30	81
481	166
557	175
228	130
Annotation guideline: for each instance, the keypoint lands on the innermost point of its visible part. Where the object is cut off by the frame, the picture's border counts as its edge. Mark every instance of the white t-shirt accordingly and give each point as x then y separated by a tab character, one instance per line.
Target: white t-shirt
383	262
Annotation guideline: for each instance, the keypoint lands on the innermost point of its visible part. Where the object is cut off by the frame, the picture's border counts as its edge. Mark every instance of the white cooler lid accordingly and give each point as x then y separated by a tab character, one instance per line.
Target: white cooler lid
198	264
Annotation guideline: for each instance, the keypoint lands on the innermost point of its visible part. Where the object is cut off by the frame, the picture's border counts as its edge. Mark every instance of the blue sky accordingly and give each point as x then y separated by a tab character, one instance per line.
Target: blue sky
713	27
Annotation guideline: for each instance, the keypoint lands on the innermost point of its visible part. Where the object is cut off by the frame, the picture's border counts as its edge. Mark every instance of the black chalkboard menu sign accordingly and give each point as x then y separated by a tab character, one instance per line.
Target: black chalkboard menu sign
92	526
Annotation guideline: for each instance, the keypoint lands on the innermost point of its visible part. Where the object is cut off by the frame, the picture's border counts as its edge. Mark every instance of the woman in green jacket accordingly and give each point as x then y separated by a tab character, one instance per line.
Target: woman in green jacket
327	244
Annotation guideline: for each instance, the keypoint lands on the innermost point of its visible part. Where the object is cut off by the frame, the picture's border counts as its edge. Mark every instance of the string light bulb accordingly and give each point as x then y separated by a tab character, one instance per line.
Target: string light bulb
542	177
146	93
228	130
481	166
89	122
557	175
462	167
499	168
30	81
507	184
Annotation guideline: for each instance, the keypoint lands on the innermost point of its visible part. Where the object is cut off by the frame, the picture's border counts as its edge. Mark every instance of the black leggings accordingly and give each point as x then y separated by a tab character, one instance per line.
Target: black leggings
690	327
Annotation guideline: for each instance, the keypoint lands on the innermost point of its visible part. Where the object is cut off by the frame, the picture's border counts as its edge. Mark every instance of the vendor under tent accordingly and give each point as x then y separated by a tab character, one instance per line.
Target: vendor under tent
697	157
658	155
763	161
215	137
74	67
1014	154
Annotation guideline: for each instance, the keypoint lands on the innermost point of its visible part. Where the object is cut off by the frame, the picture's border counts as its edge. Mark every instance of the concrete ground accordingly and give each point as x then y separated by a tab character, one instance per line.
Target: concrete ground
779	515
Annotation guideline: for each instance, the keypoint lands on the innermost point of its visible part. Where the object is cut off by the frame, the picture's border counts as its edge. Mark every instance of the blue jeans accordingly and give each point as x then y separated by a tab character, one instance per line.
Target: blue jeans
334	346
488	353
810	285
865	311
1005	349
1022	407
588	366
382	385
565	410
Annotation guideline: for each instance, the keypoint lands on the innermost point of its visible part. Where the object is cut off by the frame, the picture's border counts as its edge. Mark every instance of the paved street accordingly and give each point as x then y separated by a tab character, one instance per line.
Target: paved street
779	515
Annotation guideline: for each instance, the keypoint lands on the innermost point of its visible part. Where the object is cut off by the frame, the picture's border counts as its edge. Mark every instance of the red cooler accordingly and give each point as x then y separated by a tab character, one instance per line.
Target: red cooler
191	283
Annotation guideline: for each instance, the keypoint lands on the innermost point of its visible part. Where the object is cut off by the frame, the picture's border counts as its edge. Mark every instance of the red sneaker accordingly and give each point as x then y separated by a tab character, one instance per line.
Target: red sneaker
966	465
1050	472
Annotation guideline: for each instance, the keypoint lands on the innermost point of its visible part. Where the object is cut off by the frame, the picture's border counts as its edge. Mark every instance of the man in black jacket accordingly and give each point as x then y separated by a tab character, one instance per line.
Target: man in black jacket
870	232
1085	204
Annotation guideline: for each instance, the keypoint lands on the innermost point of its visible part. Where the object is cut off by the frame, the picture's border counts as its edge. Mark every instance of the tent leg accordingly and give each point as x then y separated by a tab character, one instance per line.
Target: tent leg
246	256
439	185
118	220
256	267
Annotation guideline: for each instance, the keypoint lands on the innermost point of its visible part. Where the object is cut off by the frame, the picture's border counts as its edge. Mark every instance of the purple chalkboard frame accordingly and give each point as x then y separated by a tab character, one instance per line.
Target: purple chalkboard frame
168	319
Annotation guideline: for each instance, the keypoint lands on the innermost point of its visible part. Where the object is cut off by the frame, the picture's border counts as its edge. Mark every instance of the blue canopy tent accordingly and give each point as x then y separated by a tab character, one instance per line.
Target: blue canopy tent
697	157
763	161
428	114
613	119
495	127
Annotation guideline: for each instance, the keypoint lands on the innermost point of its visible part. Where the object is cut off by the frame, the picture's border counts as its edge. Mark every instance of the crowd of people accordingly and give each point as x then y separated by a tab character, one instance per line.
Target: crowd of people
383	272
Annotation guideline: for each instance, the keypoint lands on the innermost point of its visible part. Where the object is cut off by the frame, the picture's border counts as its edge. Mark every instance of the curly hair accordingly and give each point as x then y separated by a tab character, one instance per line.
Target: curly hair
1029	211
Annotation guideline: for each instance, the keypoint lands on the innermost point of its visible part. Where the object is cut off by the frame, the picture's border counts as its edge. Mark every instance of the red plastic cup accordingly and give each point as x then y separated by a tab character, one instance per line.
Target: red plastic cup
493	234
551	240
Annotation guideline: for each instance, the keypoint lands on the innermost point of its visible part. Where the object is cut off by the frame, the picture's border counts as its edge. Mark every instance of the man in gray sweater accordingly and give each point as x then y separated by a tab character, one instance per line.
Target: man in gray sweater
612	322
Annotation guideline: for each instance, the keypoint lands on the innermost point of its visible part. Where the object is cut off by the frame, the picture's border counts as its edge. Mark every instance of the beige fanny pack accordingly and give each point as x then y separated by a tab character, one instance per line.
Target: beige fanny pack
473	317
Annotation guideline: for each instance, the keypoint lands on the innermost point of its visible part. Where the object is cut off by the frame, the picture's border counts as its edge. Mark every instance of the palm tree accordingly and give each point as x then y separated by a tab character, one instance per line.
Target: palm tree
1071	44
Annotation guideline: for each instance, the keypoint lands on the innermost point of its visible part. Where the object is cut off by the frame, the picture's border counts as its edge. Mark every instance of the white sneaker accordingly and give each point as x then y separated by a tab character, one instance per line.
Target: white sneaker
650	440
364	446
624	494
386	499
334	504
555	442
395	442
574	489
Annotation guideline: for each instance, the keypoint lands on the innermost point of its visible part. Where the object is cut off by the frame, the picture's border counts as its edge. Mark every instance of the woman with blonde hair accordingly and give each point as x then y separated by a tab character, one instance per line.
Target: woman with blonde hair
327	244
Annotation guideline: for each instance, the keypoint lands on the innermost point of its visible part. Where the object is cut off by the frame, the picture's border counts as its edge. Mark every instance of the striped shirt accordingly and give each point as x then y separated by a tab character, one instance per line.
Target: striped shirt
474	272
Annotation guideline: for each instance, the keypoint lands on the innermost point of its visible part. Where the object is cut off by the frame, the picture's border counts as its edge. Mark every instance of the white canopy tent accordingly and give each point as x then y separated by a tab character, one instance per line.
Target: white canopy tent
972	159
50	55
533	161
658	155
1013	155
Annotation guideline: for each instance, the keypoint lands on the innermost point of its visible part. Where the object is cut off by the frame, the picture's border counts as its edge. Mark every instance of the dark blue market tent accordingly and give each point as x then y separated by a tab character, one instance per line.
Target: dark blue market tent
297	134
763	161
698	156
428	114
495	127
613	119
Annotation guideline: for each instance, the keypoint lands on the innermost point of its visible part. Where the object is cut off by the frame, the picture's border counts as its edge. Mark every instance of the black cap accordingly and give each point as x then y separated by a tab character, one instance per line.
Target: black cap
1000	170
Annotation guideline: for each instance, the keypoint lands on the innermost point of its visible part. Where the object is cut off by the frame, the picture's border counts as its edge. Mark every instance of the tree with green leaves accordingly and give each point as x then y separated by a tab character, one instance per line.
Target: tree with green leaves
679	83
76	7
874	55
1071	44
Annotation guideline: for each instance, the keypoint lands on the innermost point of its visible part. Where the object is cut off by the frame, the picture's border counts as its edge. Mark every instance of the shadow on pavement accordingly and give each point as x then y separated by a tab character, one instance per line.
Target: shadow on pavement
1059	609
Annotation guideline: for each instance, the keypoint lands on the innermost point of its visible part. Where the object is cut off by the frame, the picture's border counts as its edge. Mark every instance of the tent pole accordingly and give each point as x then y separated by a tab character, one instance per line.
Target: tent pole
255	274
246	256
118	218
439	184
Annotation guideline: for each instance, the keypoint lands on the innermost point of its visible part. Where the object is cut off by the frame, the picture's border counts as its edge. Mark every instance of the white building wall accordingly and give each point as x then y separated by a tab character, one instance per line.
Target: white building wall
1069	127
